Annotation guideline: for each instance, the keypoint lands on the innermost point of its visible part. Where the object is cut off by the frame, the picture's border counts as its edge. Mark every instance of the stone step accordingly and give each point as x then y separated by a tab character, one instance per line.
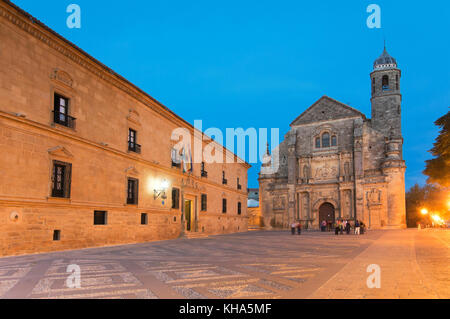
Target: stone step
195	235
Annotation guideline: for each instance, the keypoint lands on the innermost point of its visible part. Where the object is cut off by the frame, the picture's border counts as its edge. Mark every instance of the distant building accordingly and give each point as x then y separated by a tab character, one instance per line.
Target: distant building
337	164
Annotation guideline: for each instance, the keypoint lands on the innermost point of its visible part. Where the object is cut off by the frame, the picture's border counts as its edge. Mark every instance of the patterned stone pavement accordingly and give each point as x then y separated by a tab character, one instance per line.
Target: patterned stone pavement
258	264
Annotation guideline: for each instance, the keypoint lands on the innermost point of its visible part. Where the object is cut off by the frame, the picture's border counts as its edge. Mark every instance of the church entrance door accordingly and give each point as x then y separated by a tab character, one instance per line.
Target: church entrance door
326	213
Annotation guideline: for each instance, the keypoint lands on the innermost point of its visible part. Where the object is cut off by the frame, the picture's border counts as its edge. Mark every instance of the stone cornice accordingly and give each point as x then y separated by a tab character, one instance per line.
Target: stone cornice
40	31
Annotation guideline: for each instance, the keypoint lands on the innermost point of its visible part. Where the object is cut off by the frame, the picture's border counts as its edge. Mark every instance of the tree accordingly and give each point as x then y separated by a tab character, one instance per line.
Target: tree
431	197
438	168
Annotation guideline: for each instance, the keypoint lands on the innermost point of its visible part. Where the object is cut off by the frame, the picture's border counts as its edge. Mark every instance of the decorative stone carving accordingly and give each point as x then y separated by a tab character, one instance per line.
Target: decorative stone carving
133	116
374	197
60	151
61	76
326	172
279	202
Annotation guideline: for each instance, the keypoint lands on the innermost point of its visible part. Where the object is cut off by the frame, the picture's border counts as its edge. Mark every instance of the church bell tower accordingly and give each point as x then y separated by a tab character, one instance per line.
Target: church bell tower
386	119
386	98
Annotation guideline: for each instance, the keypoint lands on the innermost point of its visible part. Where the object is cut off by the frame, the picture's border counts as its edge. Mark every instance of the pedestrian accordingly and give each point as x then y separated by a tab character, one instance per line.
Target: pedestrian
293	226
336	229
324	225
363	227
357	225
347	227
341	227
299	227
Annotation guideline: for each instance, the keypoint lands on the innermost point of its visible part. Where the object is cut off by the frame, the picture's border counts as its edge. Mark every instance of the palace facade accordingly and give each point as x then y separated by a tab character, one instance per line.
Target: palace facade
86	157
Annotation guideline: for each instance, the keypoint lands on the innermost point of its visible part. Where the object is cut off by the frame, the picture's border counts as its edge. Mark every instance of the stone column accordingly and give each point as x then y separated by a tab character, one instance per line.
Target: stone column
292	175
358	169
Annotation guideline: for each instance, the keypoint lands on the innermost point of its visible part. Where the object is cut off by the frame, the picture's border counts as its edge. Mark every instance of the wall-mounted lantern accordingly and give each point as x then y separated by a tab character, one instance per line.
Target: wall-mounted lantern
161	189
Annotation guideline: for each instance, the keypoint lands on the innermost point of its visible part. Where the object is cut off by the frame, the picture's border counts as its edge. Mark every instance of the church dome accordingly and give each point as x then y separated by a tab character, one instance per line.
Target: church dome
385	61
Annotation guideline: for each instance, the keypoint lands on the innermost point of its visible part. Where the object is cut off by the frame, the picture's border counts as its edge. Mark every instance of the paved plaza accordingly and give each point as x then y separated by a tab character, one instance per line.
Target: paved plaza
257	264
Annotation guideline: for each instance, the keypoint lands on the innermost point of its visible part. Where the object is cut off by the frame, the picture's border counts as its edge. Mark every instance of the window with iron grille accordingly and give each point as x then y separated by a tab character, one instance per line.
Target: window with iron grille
133	146
239	208
175	198
132	191
224	205
61	179
176	158
61	111
100	217
204	203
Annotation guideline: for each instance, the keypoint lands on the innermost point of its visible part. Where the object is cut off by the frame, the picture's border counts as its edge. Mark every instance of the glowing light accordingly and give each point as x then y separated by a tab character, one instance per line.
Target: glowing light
437	219
424	211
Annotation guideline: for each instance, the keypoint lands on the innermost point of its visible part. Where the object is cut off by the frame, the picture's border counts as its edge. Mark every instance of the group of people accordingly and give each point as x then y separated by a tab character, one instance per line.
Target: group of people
296	225
344	225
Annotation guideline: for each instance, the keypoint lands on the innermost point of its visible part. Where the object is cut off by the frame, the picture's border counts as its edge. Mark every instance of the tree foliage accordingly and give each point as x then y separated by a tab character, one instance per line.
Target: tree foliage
438	168
431	197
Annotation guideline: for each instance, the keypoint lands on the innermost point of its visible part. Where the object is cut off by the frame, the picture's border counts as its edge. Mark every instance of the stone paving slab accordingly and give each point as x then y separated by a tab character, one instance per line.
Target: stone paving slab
257	264
413	264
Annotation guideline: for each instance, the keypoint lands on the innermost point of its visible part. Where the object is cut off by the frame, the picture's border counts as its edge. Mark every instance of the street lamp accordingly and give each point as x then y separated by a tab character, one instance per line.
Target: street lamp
424	211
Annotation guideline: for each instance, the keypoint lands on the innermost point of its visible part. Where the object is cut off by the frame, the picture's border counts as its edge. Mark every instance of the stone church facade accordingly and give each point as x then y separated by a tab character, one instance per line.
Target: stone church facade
335	163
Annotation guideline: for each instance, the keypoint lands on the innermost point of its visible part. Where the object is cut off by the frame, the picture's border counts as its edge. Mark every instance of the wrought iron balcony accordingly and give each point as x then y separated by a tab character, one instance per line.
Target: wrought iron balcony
63	119
175	164
239	186
204	174
224	181
134	147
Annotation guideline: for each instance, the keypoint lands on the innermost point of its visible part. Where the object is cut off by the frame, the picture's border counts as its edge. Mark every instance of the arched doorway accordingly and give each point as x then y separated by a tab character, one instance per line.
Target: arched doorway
326	213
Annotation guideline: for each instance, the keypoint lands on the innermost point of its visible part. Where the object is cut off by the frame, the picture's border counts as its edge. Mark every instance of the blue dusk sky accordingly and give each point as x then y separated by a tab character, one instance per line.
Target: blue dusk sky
262	63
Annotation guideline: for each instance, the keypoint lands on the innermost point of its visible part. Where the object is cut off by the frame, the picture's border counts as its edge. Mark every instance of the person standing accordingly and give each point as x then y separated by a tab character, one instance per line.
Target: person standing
324	225
293	226
357	226
336	229
347	227
299	227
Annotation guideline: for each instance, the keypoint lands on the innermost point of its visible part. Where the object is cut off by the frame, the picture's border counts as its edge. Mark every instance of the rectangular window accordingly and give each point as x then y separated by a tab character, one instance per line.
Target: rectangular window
238	184
224	205
204	173
204	203
176	158
239	207
132	191
61	179
175	198
61	111
144	219
224	180
56	235
133	146
100	217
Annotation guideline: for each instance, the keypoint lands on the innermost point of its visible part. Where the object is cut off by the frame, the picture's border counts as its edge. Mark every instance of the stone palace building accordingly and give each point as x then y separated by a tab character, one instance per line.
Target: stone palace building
87	159
337	164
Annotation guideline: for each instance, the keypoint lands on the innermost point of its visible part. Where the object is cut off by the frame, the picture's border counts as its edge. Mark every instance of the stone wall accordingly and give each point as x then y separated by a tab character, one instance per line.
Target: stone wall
34	65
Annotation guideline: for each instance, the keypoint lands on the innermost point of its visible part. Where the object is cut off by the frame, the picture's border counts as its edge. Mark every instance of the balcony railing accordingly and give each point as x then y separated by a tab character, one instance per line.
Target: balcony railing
134	147
175	164
239	186
224	181
204	174
64	119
